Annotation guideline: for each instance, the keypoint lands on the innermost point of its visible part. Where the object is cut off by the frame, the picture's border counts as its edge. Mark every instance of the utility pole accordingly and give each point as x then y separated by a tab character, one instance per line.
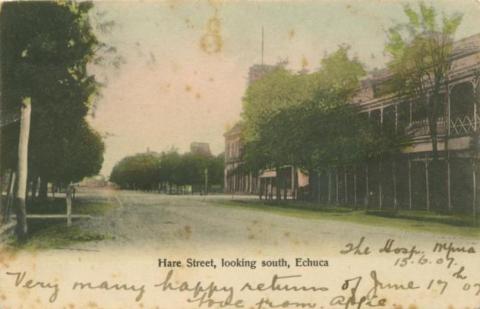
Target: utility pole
263	44
20	198
206	180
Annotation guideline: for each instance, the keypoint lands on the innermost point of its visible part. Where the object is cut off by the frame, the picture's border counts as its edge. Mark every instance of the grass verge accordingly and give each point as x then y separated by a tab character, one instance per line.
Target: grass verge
54	233
404	220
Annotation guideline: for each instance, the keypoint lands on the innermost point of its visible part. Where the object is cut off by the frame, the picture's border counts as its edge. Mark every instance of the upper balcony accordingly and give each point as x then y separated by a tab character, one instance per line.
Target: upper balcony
457	114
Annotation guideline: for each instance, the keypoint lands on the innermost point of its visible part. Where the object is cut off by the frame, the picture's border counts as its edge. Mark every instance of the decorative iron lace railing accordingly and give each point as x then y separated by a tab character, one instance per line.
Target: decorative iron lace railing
459	126
421	128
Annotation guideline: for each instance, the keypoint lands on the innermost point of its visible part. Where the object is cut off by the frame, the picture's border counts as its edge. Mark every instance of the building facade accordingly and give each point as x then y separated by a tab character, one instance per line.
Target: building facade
236	178
241	180
413	180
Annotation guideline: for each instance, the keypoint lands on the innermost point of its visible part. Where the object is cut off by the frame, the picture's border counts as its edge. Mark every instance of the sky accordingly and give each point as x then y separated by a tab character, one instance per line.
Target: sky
186	63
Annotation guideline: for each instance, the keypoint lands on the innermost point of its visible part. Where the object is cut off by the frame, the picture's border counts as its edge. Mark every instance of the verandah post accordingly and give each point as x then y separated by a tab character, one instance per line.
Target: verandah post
394	169
346	186
355	186
474	189
336	186
319	186
409	184
329	186
380	193
427	184
367	193
449	185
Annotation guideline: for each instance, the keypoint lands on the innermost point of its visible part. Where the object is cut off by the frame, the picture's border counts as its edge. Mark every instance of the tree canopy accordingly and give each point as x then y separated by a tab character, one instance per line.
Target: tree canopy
306	119
421	51
45	49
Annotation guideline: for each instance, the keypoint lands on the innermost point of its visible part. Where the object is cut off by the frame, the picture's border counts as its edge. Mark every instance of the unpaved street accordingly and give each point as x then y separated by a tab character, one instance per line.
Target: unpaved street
196	222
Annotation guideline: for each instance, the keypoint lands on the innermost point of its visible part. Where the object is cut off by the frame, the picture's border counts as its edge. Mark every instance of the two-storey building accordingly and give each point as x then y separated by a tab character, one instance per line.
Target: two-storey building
413	180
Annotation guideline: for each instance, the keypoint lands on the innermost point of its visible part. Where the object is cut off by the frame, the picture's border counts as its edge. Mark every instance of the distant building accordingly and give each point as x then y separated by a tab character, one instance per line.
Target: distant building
258	71
200	148
237	179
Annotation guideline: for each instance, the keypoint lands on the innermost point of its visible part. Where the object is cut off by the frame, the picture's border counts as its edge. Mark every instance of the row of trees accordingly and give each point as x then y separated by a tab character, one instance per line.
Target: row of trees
305	120
168	170
45	50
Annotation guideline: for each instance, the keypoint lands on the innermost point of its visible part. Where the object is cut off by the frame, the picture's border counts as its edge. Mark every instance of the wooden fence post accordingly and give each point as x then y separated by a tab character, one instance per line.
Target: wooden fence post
10	198
69	205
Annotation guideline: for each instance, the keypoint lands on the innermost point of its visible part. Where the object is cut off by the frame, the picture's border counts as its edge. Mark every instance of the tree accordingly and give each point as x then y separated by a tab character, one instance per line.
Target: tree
277	90
289	117
83	155
216	169
421	51
46	47
139	171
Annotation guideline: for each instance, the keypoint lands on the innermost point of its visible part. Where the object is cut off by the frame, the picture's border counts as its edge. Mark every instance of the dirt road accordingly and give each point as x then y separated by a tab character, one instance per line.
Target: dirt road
197	222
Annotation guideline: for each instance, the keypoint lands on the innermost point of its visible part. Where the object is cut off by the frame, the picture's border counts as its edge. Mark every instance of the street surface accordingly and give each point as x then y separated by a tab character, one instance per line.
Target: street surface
158	221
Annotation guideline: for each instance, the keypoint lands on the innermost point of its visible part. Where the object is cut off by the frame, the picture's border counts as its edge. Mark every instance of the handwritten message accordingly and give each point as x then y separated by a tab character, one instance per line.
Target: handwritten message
290	283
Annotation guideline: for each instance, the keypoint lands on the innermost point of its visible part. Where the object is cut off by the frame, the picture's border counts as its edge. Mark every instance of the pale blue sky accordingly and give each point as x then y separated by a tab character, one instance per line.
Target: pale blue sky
171	92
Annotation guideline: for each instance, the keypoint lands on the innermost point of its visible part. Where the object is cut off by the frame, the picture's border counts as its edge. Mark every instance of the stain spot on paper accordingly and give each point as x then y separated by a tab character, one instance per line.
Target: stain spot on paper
305	62
291	34
212	42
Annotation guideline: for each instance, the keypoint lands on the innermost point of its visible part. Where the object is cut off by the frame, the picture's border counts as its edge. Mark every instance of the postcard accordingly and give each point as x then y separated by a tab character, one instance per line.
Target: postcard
185	154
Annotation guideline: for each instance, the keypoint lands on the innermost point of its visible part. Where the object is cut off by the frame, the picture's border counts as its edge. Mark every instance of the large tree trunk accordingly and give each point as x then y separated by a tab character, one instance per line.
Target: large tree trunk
433	102
313	184
435	98
278	181
20	198
295	183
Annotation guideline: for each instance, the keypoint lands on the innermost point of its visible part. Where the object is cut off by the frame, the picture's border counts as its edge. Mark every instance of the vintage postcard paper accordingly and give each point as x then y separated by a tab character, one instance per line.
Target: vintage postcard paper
240	154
